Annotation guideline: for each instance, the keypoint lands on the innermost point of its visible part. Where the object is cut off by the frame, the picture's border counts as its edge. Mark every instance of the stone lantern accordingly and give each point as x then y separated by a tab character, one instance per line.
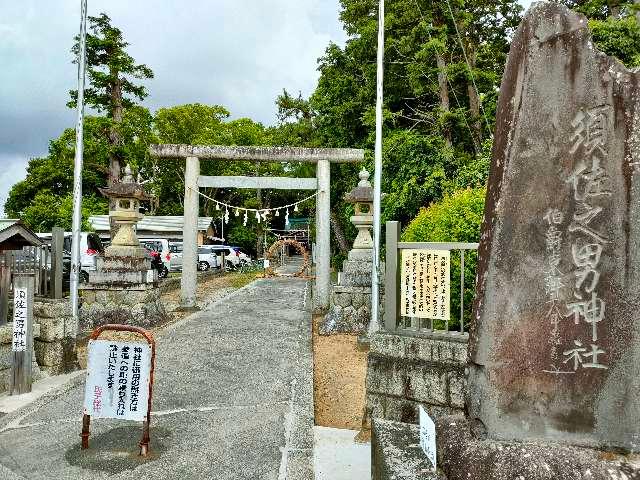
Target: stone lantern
123	288
127	196
350	300
362	199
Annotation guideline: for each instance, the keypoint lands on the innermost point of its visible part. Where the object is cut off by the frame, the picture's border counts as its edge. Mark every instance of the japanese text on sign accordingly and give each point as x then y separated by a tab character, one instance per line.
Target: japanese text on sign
117	380
428	436
424	284
19	339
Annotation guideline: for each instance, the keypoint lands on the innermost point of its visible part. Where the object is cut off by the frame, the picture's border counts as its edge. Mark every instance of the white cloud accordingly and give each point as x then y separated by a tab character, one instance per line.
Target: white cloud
237	53
12	170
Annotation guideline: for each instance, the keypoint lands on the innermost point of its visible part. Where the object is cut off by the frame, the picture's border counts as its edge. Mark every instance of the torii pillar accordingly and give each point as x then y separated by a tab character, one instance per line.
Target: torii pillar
322	157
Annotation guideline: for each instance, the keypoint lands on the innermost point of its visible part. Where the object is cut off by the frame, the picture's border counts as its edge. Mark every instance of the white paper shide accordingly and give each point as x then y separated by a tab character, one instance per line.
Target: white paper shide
118	376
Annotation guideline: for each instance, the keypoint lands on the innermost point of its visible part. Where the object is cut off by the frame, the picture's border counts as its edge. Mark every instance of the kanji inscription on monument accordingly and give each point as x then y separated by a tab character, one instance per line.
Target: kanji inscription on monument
117	380
20	319
555	349
424	284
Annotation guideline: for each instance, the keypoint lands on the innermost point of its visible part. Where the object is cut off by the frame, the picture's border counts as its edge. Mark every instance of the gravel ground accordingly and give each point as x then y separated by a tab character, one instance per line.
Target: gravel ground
339	372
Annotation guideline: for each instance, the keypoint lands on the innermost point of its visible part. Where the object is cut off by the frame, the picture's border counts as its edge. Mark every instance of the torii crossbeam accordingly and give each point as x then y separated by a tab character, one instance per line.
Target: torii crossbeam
323	157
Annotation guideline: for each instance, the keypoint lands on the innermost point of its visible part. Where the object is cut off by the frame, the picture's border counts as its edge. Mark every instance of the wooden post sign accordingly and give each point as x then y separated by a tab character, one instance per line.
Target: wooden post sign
22	337
424	284
119	381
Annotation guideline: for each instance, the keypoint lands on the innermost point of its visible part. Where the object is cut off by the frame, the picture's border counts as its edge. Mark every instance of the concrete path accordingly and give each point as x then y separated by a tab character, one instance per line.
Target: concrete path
337	456
233	399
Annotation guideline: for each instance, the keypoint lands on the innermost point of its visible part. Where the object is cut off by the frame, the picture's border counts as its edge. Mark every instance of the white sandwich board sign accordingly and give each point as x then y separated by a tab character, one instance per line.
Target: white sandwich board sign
118	375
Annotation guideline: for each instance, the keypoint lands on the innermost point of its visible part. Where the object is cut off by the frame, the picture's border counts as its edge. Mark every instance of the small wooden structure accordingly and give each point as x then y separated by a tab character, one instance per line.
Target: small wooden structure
14	235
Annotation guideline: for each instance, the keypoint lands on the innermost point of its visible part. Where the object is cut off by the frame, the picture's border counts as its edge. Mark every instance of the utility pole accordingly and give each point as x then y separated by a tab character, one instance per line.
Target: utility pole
374	325
77	167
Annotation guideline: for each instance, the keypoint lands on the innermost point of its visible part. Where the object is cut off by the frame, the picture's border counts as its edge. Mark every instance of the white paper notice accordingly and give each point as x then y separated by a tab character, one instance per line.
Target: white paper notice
428	436
19	343
424	284
117	380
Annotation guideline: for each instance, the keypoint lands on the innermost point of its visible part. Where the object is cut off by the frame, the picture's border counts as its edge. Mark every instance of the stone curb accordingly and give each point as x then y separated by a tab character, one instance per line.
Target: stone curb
40	402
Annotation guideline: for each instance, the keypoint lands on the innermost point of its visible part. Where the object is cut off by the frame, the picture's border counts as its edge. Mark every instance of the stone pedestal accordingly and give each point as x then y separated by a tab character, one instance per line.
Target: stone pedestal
350	300
55	345
136	304
404	372
396	454
123	290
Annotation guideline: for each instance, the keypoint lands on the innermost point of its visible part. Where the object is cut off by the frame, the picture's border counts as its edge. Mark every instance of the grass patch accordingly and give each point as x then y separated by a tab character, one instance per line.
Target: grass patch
239	280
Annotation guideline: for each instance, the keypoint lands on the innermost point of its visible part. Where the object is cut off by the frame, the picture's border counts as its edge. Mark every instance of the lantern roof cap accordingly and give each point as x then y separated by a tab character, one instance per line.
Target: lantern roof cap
126	188
363	192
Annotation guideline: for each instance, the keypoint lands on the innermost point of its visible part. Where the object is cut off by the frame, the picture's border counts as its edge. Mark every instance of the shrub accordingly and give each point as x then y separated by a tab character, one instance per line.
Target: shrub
455	218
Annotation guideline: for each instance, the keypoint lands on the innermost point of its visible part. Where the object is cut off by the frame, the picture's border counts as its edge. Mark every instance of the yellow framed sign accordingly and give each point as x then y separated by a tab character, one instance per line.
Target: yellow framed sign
425	283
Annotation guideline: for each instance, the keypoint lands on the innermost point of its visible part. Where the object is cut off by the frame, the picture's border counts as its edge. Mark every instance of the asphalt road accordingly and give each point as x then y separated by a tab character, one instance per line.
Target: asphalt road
233	399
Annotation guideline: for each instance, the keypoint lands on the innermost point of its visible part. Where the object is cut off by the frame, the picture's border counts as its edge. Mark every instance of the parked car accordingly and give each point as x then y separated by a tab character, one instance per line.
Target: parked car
160	245
207	259
90	247
231	257
175	249
243	257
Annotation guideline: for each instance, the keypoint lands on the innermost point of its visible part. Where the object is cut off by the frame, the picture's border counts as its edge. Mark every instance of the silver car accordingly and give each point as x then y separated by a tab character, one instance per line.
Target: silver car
206	259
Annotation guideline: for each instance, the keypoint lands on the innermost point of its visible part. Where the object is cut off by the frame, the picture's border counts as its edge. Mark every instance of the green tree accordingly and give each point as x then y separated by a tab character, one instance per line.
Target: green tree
52	176
443	67
615	26
112	89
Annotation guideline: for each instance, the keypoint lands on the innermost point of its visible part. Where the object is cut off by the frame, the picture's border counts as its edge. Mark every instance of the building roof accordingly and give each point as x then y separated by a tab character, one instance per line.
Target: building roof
14	235
100	223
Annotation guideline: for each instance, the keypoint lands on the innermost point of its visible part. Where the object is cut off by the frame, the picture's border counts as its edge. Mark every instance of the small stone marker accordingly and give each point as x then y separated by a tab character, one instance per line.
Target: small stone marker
22	335
425	283
555	351
428	436
118	375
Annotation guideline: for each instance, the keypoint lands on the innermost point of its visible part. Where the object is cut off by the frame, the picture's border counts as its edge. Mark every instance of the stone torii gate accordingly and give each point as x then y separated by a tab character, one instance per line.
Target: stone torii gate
323	157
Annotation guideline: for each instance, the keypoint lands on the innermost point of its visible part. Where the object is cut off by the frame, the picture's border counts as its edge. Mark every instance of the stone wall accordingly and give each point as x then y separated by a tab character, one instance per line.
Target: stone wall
55	345
406	371
349	311
142	308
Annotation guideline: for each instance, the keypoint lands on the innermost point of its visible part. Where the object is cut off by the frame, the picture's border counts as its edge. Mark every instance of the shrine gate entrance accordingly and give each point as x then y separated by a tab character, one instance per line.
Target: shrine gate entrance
322	157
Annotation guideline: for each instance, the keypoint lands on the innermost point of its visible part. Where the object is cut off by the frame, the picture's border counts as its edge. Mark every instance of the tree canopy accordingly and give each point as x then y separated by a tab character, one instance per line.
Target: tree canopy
443	68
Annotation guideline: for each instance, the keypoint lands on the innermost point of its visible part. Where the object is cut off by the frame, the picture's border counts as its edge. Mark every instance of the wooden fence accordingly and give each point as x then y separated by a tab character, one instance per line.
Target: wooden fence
44	262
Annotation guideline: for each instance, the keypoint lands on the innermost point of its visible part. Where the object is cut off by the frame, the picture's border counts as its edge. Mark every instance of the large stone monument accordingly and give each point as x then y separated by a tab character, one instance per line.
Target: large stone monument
350	307
555	348
124	287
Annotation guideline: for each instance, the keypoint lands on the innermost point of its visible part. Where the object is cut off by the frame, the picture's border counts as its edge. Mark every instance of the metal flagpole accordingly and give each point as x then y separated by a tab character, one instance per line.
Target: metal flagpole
77	166
374	325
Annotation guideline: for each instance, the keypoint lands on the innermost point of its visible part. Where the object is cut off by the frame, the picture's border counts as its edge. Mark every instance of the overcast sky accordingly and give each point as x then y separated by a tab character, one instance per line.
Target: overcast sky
236	53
